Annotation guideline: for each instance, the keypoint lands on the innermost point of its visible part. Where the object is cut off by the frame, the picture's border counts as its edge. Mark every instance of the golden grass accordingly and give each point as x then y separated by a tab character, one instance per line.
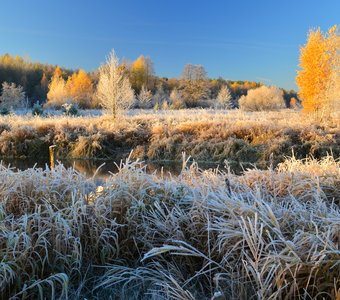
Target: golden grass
267	234
210	135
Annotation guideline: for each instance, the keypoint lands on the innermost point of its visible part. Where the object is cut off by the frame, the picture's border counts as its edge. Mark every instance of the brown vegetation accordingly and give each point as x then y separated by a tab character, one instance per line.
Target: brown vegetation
256	137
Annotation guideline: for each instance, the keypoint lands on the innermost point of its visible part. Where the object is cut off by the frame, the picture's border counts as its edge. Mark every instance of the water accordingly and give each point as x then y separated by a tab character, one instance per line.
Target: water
89	167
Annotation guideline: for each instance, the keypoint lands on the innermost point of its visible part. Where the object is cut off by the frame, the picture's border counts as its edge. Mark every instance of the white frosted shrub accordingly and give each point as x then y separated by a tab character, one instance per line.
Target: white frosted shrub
262	98
224	99
12	96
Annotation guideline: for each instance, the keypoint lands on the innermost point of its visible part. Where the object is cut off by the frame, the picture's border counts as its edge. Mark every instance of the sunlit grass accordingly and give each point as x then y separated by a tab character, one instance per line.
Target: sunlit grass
206	135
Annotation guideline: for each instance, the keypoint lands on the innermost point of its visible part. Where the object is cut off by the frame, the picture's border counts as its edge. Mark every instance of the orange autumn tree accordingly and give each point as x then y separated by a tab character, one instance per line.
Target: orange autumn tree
58	72
79	88
57	94
318	63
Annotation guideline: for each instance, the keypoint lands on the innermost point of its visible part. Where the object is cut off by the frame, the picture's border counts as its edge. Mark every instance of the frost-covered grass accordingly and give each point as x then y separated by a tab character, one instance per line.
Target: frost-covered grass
51	112
267	234
206	135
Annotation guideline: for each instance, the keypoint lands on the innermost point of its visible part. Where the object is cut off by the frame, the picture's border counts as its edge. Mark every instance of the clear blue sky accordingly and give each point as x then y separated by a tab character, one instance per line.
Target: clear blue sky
239	40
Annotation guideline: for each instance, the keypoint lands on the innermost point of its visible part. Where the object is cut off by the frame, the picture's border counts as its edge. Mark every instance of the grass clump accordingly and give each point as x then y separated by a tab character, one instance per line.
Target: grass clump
266	234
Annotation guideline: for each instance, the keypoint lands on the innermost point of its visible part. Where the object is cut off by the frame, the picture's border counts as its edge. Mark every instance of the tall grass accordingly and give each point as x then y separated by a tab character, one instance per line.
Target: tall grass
206	135
266	234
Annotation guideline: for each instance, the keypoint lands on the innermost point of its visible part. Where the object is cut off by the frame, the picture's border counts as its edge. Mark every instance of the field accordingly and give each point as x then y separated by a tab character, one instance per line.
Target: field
169	151
267	234
206	135
262	234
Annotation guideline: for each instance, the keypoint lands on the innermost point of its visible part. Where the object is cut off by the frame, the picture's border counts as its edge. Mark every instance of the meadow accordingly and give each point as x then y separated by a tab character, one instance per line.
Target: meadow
120	182
270	232
260	138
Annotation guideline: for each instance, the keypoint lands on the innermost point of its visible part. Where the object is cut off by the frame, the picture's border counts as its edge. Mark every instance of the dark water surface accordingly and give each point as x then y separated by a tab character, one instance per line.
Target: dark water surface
89	167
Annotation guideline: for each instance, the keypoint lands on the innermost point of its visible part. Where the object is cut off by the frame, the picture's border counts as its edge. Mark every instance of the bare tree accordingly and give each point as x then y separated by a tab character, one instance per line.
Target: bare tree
194	72
114	90
224	99
12	96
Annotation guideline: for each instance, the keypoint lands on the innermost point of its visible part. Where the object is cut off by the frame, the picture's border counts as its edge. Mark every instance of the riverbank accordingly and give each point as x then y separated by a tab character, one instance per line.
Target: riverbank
206	135
272	234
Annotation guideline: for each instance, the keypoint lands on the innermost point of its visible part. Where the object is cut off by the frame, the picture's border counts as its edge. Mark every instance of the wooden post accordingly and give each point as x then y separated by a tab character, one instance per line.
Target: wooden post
52	156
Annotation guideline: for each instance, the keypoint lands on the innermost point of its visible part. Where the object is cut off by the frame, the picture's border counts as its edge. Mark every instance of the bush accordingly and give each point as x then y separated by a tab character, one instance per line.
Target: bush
37	109
69	109
262	98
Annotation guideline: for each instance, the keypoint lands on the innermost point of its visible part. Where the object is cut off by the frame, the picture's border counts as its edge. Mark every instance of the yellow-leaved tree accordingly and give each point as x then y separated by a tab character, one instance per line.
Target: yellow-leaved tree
319	75
57	93
141	72
80	88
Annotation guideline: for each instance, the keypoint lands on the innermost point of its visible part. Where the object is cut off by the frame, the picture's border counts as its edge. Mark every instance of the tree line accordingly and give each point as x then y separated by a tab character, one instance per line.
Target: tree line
54	85
123	84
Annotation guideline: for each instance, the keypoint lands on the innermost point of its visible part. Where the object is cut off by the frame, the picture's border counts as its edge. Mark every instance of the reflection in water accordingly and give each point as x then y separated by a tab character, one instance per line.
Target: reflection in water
90	167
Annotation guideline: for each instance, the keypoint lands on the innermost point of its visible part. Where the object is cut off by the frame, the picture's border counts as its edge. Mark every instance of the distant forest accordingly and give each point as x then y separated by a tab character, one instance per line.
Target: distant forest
35	78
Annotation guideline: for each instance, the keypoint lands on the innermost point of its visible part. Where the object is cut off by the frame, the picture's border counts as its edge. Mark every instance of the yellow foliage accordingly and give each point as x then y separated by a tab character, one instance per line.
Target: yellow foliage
140	73
317	62
58	72
57	94
139	64
234	86
80	88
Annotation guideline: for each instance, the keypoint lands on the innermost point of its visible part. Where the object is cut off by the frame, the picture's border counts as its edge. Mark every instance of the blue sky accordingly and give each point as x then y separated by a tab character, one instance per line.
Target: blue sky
237	40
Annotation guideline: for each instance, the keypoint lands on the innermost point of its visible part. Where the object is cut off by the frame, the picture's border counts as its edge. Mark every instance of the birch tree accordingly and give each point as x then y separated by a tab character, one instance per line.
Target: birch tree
114	90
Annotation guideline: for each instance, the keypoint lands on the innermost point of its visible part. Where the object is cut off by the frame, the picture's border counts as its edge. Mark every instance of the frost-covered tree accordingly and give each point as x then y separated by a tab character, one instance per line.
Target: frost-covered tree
194	72
176	99
12	96
194	86
144	98
114	90
194	91
224	99
333	91
262	98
